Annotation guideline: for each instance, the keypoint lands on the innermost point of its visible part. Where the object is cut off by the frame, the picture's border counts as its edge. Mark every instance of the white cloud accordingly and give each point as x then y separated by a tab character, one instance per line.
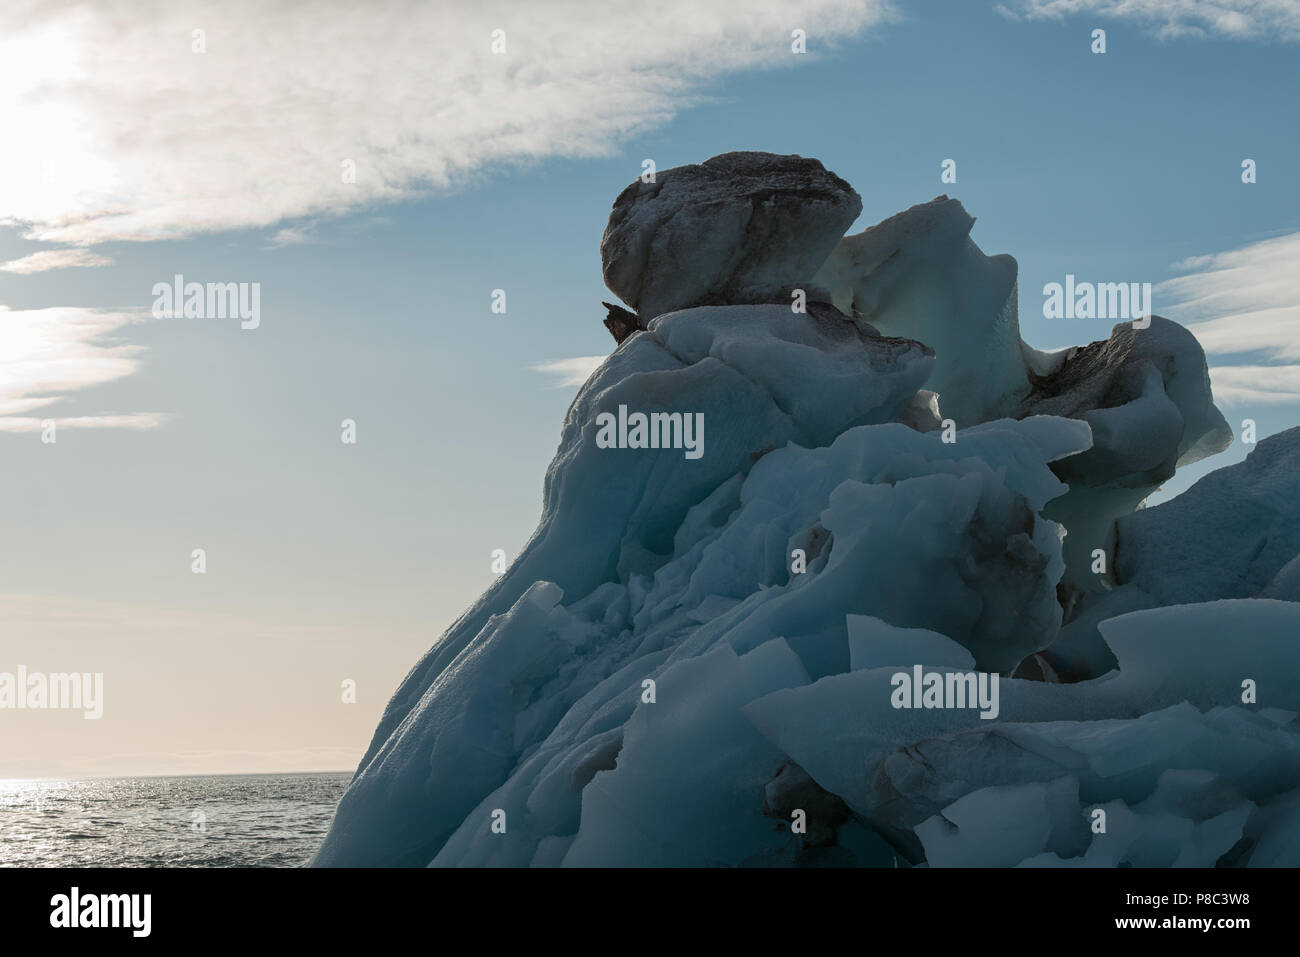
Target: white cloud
571	371
126	133
1254	385
140	421
48	259
1232	19
48	353
1245	300
292	236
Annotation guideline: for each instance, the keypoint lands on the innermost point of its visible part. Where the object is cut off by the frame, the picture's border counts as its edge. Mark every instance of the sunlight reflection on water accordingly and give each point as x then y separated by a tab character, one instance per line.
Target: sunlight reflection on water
254	820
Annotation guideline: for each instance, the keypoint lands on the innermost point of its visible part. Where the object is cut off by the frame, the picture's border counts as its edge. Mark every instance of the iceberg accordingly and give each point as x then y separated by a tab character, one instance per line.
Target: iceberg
693	660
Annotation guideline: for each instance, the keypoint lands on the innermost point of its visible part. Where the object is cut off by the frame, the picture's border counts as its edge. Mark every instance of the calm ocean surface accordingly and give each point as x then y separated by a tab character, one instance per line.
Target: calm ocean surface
252	820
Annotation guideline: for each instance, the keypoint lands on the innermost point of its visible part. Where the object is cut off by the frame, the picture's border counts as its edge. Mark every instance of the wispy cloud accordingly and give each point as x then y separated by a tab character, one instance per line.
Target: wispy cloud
46	354
571	371
1252	385
48	259
1231	19
139	421
292	236
287	102
1244	301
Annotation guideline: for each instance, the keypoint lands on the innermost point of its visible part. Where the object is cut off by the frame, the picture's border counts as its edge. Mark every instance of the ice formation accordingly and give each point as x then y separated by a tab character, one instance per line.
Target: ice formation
738	228
699	661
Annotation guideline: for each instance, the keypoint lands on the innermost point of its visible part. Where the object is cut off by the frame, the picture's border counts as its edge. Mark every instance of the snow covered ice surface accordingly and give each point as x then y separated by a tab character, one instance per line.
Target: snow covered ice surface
702	660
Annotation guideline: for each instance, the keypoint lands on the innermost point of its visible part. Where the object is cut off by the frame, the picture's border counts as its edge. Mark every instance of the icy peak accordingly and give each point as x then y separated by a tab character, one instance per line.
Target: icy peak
744	227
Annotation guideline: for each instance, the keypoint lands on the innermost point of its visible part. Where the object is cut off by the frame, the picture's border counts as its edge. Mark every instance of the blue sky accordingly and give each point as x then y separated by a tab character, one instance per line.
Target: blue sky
329	561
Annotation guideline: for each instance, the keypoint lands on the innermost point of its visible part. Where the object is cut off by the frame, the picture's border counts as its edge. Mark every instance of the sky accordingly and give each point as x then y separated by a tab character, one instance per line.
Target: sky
379	171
